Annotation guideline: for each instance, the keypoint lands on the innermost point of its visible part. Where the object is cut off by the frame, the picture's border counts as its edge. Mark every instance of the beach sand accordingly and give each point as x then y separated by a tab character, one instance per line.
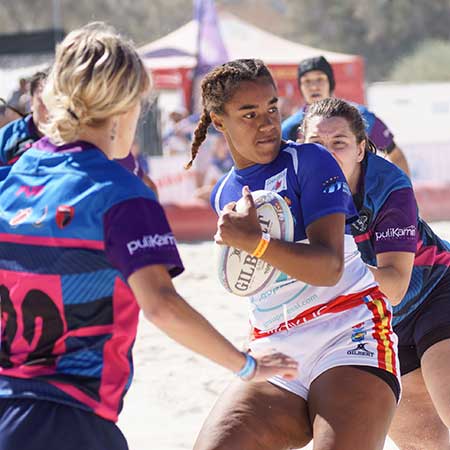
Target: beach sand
173	389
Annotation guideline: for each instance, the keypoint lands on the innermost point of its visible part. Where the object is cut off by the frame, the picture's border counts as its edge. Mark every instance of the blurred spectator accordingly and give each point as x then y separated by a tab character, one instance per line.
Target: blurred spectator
220	163
176	137
20	98
38	109
18	136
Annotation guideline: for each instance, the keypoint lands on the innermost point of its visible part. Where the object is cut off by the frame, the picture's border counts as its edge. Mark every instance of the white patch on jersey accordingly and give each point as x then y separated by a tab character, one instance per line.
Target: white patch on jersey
277	183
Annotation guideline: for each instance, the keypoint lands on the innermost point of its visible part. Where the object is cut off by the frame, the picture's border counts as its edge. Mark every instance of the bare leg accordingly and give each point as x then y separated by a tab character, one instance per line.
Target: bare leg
436	373
256	416
416	424
350	408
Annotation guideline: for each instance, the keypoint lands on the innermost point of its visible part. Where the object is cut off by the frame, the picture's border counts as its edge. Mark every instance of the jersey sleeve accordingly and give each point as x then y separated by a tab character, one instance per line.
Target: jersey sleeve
395	227
137	234
214	198
323	187
378	132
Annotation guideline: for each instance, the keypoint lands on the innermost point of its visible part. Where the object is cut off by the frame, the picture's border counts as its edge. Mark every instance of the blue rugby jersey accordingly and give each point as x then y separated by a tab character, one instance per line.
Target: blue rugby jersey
73	226
377	131
15	138
382	180
313	185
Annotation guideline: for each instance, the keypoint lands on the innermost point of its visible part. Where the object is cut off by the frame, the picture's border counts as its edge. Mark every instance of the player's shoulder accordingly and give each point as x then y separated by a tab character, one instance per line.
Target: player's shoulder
215	197
305	157
92	168
130	185
305	151
381	168
365	112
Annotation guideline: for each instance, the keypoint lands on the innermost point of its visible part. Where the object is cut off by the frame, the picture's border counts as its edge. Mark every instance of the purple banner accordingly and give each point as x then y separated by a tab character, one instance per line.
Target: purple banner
211	50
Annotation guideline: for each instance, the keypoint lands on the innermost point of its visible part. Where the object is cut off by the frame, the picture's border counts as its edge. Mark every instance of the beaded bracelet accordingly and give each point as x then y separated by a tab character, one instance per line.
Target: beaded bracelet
249	369
262	246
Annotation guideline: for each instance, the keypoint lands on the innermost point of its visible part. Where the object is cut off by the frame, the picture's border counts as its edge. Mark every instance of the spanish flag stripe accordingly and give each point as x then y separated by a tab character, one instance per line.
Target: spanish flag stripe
386	356
376	335
387	331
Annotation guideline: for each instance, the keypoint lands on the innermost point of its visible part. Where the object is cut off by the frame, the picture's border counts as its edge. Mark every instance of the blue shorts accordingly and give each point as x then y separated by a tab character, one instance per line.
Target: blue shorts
39	424
428	325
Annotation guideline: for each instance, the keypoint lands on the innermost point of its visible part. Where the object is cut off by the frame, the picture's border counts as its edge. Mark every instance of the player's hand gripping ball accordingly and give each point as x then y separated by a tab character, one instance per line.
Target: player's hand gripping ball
241	273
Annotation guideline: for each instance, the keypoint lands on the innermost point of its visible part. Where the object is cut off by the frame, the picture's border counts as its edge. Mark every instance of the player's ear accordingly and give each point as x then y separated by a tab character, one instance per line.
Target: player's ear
217	121
361	150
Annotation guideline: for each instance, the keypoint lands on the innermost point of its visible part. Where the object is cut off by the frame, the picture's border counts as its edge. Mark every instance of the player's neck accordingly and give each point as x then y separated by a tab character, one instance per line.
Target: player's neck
100	137
354	178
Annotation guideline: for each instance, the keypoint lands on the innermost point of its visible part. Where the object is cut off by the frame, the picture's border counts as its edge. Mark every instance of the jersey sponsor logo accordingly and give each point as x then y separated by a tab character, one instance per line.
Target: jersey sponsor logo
151	241
277	183
361	350
29	191
21	216
333	185
396	233
64	215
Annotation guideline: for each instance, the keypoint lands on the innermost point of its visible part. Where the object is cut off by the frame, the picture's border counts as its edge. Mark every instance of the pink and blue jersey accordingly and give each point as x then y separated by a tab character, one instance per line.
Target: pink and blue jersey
313	185
73	227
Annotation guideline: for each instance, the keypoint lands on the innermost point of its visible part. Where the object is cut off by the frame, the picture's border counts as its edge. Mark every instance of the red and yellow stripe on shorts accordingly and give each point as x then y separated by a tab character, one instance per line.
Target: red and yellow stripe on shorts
383	332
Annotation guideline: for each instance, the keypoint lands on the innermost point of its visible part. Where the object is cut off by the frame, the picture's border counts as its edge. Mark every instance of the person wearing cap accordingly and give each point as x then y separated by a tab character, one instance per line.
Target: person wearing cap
316	81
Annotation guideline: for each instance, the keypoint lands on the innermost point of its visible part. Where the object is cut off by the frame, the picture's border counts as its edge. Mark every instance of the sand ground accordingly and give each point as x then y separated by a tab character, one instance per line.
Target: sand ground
174	389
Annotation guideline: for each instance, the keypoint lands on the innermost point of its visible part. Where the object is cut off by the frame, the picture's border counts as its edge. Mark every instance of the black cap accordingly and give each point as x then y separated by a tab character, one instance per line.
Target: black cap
317	63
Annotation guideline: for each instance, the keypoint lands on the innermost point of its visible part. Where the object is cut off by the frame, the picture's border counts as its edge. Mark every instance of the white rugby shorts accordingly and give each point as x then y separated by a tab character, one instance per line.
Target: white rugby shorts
360	334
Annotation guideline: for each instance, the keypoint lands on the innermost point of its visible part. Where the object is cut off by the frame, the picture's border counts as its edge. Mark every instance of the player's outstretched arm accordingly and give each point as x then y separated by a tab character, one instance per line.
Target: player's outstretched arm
166	309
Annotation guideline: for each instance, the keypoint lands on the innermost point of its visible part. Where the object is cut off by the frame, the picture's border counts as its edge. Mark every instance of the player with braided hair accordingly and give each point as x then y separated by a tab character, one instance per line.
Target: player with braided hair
325	310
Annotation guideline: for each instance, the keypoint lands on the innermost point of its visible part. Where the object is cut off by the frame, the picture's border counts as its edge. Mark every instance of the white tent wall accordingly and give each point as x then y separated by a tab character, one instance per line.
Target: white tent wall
419	116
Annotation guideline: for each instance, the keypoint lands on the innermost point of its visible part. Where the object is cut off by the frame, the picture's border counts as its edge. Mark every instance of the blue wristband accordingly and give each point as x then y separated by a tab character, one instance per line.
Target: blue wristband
249	369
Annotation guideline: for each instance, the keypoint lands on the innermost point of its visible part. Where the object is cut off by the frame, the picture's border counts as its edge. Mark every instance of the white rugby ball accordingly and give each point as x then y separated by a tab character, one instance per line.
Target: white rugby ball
241	273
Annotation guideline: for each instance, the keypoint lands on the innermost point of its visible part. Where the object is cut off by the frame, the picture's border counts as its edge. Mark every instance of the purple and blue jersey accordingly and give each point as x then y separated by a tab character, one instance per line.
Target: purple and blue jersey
389	222
73	226
376	130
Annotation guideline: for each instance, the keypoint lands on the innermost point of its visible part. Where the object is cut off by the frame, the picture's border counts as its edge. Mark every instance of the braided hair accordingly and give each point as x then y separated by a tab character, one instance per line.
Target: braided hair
218	87
335	107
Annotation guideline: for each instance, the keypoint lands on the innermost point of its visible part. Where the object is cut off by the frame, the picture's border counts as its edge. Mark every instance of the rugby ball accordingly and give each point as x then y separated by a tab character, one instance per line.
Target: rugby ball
243	274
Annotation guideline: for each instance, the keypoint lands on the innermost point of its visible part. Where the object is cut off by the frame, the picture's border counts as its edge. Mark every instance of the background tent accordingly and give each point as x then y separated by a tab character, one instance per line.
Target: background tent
173	57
